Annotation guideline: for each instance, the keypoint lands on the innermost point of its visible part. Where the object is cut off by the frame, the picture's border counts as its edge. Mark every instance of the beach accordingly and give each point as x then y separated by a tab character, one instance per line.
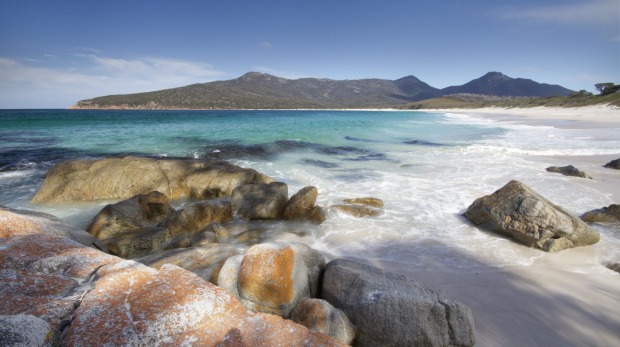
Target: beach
427	166
556	300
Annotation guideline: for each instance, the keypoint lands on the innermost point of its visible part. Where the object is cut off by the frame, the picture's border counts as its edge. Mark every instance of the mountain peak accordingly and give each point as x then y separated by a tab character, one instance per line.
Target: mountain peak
495	76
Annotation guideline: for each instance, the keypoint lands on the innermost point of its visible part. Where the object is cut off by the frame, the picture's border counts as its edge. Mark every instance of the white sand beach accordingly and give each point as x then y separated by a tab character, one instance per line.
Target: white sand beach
556	300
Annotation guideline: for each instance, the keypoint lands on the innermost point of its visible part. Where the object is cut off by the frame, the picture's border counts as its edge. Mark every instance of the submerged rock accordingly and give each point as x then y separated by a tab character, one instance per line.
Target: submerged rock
527	217
358	210
568	171
375	202
609	214
614	164
391	310
122	178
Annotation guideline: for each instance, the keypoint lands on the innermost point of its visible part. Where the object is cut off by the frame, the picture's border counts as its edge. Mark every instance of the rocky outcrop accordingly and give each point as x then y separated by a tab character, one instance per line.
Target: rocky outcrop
609	214
319	315
260	201
527	217
391	310
145	224
122	178
22	222
273	279
568	171
614	164
140	211
58	292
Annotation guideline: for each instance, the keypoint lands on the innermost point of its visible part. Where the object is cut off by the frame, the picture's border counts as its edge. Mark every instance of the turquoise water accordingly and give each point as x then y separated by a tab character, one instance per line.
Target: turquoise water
427	167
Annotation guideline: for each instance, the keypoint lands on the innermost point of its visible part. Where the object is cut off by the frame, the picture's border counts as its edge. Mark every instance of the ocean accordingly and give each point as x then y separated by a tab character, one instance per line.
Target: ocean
427	167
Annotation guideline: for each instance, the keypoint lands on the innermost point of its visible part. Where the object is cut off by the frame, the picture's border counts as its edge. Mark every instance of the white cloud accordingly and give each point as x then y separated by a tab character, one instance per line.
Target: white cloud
265	44
24	85
595	12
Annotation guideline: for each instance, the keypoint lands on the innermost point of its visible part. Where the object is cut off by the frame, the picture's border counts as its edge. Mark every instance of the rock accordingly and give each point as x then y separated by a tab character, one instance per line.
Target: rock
319	315
139	242
45	276
365	201
609	214
273	279
527	217
193	219
260	201
301	205
205	261
23	222
391	310
613	266
52	286
229	275
23	331
568	171
204	238
122	178
358	210
614	164
140	211
144	306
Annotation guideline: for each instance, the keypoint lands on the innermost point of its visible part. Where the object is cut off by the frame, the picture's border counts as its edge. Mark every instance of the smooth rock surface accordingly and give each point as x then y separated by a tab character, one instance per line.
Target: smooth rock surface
122	178
391	310
609	214
272	278
568	171
319	315
23	222
528	218
260	201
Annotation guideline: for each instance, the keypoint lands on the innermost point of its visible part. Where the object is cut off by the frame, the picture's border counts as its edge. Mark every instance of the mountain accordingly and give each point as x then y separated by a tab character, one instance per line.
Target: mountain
496	83
256	90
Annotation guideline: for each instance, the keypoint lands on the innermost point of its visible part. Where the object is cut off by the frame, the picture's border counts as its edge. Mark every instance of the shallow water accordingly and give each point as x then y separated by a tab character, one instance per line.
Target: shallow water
427	167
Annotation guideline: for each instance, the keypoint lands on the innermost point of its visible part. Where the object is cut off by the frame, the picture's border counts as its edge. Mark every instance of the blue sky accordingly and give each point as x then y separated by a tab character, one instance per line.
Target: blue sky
54	53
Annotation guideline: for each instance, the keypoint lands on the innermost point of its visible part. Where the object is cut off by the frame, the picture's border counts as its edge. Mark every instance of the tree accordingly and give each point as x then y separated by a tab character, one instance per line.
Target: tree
607	88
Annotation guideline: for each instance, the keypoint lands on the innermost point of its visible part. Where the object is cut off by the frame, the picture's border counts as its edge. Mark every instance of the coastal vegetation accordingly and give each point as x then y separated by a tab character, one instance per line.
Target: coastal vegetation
575	99
263	91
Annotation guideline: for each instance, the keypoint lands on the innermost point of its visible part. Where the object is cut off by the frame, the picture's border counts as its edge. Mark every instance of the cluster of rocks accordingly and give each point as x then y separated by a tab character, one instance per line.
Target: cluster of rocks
189	282
570	170
60	292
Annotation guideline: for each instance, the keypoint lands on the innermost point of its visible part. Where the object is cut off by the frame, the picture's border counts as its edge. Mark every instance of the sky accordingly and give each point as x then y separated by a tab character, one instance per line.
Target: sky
55	53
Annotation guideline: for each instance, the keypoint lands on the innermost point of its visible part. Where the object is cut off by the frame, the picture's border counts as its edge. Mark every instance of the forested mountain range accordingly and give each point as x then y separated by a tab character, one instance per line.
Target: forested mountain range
256	90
